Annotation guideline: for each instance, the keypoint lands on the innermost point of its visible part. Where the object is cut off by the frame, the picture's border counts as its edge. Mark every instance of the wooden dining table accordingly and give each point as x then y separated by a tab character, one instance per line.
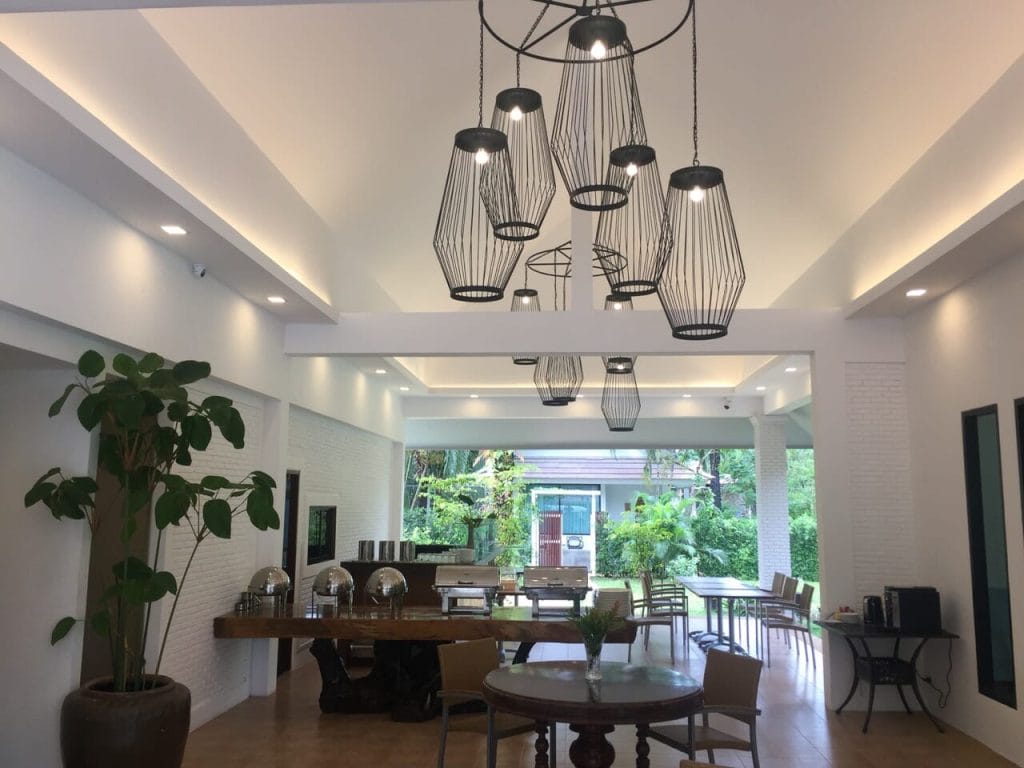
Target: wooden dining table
626	694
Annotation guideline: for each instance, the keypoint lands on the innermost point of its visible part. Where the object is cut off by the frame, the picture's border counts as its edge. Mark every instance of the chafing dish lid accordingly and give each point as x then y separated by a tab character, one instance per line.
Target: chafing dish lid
386	582
466	576
555	576
270	581
333	581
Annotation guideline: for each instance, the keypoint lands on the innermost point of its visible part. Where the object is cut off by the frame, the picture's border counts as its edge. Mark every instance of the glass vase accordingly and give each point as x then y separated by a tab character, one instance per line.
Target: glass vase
593	664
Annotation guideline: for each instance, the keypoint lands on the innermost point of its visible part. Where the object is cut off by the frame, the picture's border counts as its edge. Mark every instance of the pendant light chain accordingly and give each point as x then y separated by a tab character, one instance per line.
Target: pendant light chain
526	39
480	102
693	23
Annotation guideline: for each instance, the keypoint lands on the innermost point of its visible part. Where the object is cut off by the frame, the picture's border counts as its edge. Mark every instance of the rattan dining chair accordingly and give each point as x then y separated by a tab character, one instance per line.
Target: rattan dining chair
731	681
643	619
796	619
463	669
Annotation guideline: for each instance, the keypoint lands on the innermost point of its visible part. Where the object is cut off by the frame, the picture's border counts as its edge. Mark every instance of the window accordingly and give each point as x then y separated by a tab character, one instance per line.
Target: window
986	529
320	546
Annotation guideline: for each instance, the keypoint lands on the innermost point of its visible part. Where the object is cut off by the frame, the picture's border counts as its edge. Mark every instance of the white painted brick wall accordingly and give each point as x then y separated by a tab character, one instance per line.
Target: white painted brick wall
880	483
773	550
216	671
347	465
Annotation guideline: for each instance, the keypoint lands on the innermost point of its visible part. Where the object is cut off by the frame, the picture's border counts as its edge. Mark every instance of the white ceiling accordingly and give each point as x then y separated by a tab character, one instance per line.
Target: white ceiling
813	110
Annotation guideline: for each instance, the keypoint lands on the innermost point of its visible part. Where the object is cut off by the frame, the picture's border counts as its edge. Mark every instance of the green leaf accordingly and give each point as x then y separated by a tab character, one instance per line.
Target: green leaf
90	411
262	479
150	363
59	402
234	429
170	508
166	581
200	432
153	403
61	628
177	411
131	569
216	401
128	411
190	371
215	482
260	509
125	364
39	492
84	485
91	364
217	517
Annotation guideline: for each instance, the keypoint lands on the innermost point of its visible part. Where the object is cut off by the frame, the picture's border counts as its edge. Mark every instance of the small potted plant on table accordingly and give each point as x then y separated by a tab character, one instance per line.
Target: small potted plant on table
594	625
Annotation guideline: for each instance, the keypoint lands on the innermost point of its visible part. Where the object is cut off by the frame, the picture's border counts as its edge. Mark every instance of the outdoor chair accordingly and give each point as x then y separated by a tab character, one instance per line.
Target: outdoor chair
643	619
796	619
463	669
731	681
666	599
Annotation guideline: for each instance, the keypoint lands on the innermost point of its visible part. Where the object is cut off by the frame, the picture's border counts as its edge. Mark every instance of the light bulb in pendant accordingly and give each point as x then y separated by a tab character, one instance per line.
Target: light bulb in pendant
631	169
516	113
482	157
526	300
696	194
597	50
616	306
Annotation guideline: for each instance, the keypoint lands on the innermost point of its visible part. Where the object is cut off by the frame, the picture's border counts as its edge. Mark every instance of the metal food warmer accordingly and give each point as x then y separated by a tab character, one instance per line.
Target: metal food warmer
563	583
463	582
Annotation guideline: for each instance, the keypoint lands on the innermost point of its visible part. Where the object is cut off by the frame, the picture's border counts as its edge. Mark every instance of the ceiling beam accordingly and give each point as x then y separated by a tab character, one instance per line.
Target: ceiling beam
29	6
753	332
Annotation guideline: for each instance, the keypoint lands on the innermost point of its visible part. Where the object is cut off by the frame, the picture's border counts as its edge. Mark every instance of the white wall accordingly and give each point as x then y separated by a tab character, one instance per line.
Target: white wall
43	565
346	467
963	351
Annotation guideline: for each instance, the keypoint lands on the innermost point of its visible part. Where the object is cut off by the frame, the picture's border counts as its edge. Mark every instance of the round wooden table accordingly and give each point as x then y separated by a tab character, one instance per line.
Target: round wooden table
556	691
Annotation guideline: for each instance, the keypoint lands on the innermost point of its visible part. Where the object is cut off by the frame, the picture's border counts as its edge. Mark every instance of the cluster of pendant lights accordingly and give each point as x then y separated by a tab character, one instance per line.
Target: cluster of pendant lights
681	244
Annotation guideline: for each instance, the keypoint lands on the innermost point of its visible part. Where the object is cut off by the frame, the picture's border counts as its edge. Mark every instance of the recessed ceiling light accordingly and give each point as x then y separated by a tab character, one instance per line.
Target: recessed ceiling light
915	292
380	371
404	389
173	229
791	369
687	395
761	388
276	299
474	396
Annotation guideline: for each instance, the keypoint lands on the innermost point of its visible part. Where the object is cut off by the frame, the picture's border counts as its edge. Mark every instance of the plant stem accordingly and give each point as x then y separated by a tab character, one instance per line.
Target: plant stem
174	606
149	606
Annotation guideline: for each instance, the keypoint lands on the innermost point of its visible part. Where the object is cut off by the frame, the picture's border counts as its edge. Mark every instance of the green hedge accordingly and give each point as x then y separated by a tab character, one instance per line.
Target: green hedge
803	543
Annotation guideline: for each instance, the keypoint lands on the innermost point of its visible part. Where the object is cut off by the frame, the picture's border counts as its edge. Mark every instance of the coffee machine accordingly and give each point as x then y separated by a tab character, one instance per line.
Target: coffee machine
873	611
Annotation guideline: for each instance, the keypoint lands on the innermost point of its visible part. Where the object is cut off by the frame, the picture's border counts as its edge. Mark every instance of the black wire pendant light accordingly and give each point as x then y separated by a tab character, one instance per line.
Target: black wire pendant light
620	401
519	114
558	378
598	110
617	364
704	274
525	300
473	238
632	236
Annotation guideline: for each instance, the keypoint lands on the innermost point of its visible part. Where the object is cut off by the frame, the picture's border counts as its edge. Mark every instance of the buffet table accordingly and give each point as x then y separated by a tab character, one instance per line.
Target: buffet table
405	674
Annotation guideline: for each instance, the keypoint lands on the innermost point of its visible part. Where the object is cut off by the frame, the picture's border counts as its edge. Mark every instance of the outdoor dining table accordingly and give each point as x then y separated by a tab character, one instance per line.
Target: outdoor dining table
719	589
626	694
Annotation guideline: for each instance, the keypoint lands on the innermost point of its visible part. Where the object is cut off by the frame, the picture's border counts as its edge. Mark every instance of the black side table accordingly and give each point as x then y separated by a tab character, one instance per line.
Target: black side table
883	670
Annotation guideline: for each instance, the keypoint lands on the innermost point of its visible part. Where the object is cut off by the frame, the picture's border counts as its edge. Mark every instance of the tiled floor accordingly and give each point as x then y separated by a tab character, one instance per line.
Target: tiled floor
794	731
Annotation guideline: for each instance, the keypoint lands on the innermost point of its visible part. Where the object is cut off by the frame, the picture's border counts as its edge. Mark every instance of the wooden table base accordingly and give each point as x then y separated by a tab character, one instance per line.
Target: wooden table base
591	749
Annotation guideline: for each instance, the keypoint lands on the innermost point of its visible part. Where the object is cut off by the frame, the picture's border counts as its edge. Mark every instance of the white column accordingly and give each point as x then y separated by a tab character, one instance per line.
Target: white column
263	663
582	232
772	496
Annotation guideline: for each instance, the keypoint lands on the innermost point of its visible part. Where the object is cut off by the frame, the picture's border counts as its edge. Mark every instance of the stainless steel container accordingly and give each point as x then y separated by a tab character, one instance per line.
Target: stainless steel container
334	581
365	549
386	551
386	587
271	584
407	551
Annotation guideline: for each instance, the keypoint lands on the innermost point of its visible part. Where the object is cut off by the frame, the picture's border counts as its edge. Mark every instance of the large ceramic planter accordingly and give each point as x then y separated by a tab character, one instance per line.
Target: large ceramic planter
144	729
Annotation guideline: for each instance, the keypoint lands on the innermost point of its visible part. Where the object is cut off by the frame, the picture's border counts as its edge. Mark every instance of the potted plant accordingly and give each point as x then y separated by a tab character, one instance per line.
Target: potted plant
594	625
148	426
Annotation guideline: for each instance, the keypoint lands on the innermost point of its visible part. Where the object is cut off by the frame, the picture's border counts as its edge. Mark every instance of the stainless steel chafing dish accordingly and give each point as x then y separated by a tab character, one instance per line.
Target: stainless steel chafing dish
564	583
386	587
455	582
334	581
